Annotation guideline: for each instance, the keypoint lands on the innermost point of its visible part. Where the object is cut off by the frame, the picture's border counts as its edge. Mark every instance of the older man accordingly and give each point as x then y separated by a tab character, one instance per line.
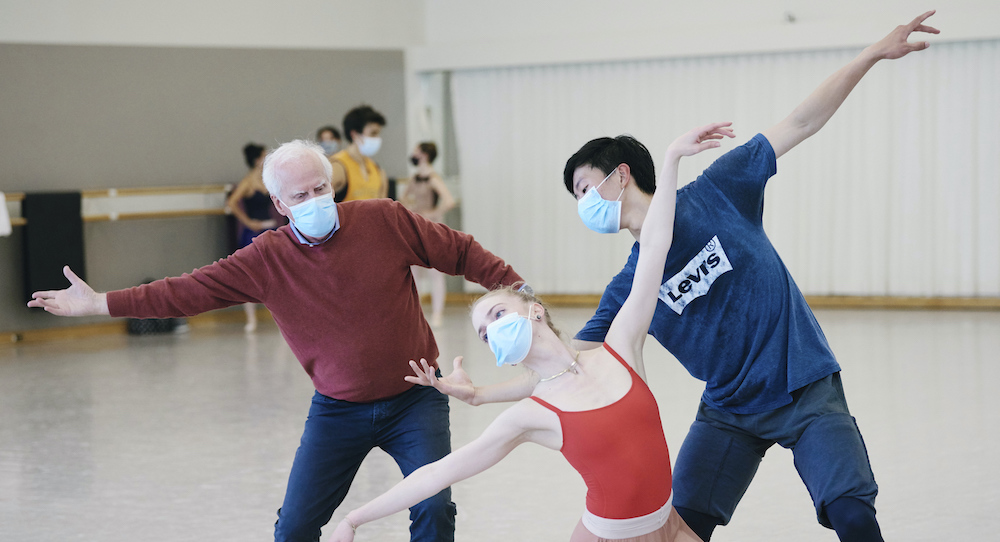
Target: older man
337	281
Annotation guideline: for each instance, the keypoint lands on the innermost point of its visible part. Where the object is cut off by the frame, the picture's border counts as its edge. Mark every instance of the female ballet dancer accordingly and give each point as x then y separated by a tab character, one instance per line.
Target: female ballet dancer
593	406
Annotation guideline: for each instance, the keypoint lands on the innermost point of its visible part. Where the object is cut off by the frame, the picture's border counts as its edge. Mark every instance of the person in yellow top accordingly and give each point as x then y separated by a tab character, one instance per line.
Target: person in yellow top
355	175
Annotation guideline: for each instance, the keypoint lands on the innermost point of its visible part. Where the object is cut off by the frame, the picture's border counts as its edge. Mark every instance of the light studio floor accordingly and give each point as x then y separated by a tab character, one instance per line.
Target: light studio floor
190	437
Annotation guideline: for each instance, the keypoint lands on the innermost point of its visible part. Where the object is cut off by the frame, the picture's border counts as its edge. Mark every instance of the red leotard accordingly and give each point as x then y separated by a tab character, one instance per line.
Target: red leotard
620	451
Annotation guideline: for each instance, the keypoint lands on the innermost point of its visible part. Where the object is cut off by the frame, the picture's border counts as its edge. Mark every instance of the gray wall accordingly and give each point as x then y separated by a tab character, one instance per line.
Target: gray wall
82	117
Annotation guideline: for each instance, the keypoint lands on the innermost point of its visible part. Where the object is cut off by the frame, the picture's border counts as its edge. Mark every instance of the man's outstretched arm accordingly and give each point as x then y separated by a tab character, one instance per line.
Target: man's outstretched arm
204	289
813	113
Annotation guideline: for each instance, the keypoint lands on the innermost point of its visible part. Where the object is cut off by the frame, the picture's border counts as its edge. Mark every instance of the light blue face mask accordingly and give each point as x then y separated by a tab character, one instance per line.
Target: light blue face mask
369	146
599	214
329	147
315	217
510	338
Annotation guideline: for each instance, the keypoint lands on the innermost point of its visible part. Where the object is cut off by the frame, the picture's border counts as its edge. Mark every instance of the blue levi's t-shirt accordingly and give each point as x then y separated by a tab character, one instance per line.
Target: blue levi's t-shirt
728	309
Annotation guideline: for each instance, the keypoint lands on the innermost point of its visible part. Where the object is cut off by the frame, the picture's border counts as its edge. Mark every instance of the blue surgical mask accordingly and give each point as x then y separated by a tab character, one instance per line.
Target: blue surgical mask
368	146
510	338
329	147
315	217
599	214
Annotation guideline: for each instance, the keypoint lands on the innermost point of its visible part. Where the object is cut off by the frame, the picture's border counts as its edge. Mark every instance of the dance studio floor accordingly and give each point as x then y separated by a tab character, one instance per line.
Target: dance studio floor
190	437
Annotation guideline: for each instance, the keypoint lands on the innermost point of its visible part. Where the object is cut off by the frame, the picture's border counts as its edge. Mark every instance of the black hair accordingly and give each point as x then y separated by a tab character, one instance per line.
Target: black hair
430	149
605	154
331	129
251	152
356	119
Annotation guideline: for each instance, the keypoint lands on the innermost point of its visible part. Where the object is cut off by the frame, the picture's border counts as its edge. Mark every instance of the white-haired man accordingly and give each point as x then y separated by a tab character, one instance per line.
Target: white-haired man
337	281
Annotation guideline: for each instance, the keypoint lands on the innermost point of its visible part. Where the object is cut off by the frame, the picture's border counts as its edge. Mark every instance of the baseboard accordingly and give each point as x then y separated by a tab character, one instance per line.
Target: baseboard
215	318
117	327
903	303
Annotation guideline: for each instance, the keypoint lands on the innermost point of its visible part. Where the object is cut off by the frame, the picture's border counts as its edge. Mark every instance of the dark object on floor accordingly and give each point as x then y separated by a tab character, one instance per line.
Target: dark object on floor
150	326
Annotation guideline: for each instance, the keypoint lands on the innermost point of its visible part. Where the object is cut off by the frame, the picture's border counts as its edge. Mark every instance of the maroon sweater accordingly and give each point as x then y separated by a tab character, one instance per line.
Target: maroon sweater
348	308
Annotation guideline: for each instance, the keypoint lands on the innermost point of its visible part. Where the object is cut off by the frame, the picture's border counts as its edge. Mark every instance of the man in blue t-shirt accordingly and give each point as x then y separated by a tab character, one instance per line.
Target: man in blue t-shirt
733	316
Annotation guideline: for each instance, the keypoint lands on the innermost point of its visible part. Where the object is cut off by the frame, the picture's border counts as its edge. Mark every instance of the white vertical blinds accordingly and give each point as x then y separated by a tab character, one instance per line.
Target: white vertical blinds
898	195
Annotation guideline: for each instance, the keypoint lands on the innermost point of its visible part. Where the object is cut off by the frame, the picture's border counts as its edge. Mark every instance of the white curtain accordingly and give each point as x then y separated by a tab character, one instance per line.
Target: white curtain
898	195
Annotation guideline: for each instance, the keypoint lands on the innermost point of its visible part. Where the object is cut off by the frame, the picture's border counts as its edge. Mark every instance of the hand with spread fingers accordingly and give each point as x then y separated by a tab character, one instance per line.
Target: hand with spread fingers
700	139
457	384
895	45
77	300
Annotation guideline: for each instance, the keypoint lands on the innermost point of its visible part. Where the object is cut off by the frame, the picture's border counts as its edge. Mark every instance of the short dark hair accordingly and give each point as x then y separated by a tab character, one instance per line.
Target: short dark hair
430	149
605	153
251	152
356	119
335	132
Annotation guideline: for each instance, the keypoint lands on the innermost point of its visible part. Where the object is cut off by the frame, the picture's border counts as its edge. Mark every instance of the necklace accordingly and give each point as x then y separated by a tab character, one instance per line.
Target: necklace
576	359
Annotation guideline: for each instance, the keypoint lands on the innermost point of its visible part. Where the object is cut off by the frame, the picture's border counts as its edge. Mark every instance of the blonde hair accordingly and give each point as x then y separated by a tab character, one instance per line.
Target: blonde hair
523	292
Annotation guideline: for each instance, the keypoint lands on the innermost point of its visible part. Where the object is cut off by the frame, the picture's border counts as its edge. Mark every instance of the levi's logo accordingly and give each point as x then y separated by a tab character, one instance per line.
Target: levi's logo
696	278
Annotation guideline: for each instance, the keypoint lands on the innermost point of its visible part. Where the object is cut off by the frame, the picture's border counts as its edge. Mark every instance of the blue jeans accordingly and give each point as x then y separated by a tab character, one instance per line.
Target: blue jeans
411	427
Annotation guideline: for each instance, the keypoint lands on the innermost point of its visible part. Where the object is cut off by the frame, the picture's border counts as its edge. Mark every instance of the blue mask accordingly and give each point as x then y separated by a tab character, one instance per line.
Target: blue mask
510	338
369	146
599	214
329	147
315	217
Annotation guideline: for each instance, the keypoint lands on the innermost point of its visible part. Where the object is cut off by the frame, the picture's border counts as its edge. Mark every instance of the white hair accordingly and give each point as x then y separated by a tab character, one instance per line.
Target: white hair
277	163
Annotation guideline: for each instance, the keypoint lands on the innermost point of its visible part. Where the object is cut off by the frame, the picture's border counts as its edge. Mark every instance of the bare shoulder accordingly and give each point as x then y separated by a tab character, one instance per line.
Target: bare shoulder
534	423
439	184
525	415
245	185
339	172
240	191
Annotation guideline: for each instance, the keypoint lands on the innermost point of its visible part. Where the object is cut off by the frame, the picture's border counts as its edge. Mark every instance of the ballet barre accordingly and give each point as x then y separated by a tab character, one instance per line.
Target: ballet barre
113	204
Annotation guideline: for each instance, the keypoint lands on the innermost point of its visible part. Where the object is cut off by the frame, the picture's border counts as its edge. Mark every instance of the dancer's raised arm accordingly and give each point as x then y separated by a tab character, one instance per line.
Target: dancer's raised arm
632	321
816	109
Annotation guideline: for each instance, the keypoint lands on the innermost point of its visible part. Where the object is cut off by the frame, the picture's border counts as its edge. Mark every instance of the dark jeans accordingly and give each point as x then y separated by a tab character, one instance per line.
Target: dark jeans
411	427
721	452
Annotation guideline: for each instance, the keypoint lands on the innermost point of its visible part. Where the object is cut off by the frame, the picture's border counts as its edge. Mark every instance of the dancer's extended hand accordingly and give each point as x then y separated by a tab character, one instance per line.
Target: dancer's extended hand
700	139
457	384
895	45
77	300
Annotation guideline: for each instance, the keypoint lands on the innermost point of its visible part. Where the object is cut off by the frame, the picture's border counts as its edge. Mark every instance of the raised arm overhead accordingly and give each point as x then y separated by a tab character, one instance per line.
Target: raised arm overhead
816	109
630	326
